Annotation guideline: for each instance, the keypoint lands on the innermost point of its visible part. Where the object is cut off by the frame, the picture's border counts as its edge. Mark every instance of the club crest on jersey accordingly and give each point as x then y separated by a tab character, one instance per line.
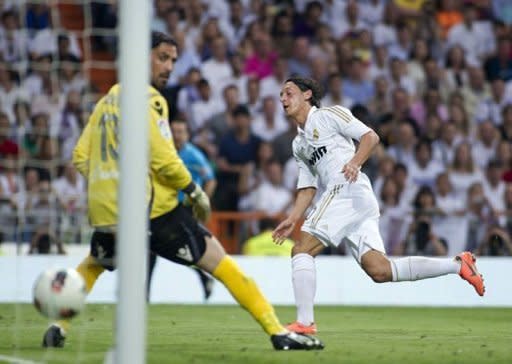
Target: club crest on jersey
317	154
315	134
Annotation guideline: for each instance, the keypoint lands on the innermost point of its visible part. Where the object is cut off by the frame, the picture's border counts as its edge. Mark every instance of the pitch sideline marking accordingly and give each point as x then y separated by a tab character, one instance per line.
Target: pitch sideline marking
15	360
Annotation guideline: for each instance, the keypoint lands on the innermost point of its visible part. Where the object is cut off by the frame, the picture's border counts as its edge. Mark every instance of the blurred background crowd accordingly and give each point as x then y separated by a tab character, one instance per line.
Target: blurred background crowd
433	78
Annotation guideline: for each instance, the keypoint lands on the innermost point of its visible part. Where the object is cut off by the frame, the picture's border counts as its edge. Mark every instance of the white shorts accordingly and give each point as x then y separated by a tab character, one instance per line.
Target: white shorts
350	212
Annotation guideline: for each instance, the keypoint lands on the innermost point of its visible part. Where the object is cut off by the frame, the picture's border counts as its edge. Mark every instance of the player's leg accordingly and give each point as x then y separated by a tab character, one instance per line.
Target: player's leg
248	295
101	257
367	247
305	249
176	236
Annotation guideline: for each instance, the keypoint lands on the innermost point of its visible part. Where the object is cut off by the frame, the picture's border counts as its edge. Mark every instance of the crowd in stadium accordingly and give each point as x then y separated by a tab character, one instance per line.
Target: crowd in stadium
431	77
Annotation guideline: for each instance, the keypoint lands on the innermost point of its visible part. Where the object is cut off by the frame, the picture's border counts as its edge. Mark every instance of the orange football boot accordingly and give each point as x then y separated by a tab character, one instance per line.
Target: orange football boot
469	272
299	328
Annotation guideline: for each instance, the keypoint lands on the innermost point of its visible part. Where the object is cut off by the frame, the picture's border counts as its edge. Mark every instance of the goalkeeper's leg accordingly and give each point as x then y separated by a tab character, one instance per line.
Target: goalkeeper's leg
90	269
249	296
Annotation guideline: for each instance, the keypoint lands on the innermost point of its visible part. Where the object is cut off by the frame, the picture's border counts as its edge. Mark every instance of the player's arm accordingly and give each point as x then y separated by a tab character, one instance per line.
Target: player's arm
306	186
81	153
350	126
367	144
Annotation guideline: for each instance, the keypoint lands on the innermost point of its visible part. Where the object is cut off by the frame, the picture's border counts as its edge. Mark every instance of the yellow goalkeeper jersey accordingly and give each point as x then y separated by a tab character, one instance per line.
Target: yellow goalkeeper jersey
96	158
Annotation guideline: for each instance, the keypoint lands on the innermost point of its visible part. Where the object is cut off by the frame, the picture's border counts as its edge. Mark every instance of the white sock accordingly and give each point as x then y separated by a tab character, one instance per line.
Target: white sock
415	268
304	286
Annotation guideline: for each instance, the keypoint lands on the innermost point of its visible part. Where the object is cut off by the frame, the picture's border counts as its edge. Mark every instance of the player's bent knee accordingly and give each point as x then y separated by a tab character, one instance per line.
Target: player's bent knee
378	276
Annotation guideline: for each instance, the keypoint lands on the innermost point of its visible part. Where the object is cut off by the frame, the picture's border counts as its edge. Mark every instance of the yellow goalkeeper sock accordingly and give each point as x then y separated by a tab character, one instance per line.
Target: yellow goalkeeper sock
90	270
248	295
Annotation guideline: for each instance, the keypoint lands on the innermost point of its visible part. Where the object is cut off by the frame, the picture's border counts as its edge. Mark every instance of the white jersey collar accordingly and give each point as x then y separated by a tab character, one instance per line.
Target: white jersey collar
311	111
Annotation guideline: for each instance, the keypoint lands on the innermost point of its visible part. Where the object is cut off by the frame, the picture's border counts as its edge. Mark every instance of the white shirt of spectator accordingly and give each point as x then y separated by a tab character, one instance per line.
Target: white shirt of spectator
495	195
371	13
462	181
477	41
260	127
325	145
483	154
425	176
270	198
203	110
216	73
45	42
444	153
384	34
490	109
401	155
66	192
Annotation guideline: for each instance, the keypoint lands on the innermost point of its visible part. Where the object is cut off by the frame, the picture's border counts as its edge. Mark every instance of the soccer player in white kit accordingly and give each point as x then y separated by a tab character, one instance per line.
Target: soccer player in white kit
326	154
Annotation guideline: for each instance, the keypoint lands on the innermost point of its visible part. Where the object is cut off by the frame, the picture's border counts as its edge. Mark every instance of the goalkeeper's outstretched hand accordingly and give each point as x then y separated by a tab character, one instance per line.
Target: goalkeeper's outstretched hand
200	204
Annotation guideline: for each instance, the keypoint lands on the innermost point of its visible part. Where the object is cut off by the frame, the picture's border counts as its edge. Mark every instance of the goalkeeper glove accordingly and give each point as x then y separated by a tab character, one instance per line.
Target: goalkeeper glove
200	202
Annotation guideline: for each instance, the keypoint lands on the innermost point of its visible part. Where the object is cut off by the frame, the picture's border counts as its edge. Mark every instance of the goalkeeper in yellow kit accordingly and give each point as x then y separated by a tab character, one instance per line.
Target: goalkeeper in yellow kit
176	235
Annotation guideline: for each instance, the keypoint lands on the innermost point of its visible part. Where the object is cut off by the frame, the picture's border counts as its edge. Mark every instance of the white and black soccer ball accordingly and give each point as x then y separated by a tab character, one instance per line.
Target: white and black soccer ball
59	293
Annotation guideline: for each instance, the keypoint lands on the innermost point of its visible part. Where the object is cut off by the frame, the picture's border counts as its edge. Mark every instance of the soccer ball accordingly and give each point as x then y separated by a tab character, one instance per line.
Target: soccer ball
59	293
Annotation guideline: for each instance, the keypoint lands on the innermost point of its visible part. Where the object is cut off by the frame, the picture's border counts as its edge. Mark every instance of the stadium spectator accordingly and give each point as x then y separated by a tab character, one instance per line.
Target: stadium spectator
424	169
188	94
476	91
217	68
403	150
455	68
237	77
271	85
270	196
485	144
254	96
219	124
13	40
447	16
261	63
490	107
494	186
355	85
188	59
237	149
9	90
298	63
443	149
474	36
421	238
480	216
334	92
37	17
464	172
69	190
203	108
270	123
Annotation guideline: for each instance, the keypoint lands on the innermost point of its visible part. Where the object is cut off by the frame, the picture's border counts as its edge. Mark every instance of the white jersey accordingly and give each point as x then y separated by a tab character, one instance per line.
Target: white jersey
325	145
345	210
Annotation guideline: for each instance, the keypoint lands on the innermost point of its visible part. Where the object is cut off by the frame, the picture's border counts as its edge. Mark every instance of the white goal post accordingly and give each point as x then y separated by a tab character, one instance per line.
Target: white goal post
132	238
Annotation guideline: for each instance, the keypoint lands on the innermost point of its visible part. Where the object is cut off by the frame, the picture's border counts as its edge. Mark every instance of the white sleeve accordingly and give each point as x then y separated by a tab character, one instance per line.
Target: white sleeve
306	177
346	124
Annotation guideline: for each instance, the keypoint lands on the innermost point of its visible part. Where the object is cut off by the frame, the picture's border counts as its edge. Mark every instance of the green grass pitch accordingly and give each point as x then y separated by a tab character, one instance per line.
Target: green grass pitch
227	334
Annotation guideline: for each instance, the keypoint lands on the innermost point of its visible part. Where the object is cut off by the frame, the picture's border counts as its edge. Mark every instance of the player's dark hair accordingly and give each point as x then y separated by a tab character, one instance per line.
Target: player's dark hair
304	84
158	38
